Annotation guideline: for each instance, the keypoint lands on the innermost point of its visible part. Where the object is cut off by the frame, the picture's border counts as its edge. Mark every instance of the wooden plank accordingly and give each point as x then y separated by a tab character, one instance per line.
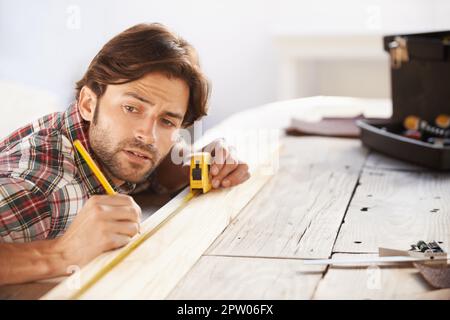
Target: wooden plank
149	202
376	160
298	213
216	277
395	209
26	291
440	294
154	268
274	116
372	282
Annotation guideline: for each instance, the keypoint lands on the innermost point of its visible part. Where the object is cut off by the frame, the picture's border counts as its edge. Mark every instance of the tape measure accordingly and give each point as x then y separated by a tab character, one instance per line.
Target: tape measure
199	183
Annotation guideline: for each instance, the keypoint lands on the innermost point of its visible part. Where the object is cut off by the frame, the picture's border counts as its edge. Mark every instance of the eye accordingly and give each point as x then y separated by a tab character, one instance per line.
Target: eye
130	109
168	123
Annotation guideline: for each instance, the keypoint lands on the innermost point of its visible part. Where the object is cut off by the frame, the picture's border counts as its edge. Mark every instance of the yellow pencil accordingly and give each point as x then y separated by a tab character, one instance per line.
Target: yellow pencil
95	169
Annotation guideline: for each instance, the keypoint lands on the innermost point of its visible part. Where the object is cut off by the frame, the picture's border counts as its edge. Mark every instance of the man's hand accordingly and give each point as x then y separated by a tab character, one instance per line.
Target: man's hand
226	170
104	223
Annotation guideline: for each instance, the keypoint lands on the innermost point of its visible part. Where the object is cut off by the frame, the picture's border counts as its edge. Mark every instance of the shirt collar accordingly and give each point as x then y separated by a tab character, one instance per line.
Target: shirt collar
77	128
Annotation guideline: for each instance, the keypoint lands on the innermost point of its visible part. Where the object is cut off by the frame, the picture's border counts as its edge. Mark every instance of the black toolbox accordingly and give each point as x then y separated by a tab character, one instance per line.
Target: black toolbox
420	86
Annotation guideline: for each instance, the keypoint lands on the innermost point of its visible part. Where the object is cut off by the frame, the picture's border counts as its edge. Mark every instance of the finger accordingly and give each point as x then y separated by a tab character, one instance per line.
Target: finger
117	240
113	200
219	158
238	176
214	146
126	228
114	213
225	171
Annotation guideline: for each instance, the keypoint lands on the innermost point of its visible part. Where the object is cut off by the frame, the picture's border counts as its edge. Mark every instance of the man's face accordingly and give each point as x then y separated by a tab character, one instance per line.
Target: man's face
134	124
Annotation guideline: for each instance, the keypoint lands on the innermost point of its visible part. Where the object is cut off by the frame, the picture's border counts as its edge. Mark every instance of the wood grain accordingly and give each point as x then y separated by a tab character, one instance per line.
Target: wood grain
395	209
154	268
441	294
298	213
248	278
372	282
378	161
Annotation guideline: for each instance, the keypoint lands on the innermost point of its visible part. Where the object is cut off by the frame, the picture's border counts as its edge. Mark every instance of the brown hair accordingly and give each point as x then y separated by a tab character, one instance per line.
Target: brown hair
146	48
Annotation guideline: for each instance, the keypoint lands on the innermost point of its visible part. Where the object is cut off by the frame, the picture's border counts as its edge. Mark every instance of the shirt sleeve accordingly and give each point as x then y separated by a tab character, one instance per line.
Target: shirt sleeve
25	213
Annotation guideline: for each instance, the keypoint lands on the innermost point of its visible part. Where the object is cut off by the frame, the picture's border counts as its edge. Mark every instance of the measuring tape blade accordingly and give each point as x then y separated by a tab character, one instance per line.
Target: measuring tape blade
130	248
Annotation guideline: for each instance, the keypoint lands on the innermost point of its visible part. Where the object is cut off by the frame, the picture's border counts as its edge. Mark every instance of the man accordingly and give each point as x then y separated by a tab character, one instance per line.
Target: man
142	87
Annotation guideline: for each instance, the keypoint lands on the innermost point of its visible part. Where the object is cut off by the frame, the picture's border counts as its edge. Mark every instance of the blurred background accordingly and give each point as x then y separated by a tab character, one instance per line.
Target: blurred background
253	51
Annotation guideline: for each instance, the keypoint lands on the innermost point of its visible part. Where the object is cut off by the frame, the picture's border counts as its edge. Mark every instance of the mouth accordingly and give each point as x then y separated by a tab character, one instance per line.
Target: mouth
138	156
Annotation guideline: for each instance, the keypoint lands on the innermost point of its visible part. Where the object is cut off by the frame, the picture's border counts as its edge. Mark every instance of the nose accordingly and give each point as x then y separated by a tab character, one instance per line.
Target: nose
145	132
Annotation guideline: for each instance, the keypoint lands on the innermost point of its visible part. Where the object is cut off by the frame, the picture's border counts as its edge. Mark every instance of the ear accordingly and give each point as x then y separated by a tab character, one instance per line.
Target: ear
87	102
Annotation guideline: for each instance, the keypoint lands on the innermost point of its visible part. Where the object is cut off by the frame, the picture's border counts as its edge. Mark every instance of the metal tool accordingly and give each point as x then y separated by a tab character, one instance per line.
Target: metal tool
422	251
398	49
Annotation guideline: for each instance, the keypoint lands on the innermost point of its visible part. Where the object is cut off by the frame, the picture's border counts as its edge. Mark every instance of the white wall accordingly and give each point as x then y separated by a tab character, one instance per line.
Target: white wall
49	43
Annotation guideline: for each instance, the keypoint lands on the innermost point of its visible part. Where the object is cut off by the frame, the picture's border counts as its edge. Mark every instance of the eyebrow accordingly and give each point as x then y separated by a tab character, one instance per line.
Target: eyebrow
138	97
174	115
167	113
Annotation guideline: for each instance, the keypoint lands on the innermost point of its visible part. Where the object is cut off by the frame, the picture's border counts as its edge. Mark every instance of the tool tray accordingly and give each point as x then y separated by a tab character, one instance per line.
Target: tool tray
420	86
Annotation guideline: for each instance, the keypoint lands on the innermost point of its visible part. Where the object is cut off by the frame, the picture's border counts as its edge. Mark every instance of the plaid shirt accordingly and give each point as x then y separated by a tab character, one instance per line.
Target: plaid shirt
43	181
